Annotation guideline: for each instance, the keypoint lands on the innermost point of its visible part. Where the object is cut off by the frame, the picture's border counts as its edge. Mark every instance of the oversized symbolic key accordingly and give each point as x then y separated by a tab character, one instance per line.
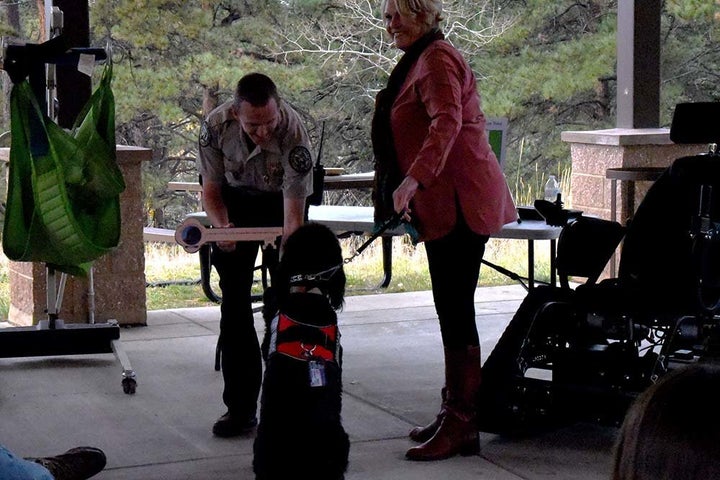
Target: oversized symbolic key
191	234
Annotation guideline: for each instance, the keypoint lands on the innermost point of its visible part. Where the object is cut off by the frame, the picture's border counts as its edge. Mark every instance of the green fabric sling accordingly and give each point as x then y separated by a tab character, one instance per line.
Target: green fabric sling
63	204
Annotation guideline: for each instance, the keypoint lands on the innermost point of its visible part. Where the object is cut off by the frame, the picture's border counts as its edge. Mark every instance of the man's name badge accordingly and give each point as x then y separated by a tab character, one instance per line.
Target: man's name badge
317	373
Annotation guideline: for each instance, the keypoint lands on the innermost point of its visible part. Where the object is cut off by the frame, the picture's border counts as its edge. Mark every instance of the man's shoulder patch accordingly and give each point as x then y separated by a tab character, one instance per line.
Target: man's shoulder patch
204	134
300	159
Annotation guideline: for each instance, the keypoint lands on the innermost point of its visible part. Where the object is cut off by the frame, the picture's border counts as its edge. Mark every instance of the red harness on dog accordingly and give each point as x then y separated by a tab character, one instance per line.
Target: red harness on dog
284	331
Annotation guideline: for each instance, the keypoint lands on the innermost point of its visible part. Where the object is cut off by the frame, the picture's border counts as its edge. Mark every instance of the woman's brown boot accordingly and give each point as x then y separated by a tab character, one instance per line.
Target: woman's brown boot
423	434
457	433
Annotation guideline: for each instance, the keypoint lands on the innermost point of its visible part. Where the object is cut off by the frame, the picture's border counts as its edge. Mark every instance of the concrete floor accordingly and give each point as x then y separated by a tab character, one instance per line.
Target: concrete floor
392	374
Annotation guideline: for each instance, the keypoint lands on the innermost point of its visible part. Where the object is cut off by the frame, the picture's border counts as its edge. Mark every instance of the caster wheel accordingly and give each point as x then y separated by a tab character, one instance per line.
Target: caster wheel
129	385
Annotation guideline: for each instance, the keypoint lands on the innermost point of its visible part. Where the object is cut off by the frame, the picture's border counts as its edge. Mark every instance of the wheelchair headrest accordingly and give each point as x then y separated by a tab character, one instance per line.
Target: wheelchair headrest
695	123
695	170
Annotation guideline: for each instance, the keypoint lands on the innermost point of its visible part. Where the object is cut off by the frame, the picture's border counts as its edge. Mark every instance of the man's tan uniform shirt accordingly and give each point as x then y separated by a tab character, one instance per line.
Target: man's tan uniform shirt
283	165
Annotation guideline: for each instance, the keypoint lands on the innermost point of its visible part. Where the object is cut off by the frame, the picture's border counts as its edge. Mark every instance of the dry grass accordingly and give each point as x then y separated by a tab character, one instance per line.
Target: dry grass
4	288
409	273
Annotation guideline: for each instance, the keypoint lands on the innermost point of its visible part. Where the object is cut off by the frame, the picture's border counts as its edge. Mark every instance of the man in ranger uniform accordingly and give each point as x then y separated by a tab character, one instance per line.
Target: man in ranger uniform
256	171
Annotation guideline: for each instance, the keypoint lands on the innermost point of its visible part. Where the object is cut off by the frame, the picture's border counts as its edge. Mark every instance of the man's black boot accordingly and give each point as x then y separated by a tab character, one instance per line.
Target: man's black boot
230	425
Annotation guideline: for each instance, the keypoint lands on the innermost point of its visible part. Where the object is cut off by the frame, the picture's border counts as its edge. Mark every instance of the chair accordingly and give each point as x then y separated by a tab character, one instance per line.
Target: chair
577	239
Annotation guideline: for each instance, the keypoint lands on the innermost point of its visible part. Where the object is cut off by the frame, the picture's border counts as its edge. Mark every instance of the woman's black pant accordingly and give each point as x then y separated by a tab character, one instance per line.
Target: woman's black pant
454	263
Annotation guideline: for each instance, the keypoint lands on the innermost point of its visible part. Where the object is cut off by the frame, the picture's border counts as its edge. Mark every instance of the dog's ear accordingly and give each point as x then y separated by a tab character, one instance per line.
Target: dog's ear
269	310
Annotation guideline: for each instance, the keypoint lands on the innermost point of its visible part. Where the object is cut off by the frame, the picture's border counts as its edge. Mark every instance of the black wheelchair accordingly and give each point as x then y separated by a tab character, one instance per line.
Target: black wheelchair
584	354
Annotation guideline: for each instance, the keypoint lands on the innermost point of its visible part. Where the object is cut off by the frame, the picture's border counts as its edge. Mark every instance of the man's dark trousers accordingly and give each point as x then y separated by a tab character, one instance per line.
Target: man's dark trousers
241	361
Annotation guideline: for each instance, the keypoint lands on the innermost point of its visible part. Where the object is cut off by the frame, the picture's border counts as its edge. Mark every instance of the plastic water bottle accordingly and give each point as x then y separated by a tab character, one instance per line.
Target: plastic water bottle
552	188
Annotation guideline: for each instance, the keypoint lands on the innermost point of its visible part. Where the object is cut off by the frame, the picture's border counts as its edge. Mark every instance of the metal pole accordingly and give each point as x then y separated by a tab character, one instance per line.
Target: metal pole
638	64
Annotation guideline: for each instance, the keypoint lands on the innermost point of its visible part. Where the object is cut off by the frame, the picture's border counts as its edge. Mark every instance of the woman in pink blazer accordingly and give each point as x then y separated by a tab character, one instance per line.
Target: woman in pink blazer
434	163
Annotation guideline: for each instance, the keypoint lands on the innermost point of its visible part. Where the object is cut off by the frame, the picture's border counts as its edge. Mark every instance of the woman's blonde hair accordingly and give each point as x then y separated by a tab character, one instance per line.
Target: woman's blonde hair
429	10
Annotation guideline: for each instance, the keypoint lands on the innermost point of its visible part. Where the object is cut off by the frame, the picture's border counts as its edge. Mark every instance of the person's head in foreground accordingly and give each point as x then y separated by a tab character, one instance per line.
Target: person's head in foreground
672	430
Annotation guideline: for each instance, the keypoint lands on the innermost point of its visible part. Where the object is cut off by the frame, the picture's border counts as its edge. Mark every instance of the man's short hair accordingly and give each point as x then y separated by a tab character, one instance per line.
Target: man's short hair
256	89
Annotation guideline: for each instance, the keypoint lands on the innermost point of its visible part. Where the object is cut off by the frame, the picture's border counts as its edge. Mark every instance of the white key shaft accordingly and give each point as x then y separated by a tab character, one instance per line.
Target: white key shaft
191	234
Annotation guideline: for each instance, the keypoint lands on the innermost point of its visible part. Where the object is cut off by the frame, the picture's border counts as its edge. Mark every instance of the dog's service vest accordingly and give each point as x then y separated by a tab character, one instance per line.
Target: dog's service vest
303	341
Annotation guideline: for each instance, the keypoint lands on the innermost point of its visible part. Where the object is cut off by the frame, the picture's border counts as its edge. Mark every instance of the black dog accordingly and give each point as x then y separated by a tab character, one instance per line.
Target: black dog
300	434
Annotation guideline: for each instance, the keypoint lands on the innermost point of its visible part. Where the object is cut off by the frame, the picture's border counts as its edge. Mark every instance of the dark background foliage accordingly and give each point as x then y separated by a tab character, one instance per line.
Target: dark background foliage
546	66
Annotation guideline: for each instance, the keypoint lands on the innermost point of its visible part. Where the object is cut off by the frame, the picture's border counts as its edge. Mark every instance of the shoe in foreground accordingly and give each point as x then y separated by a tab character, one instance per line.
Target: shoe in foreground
78	463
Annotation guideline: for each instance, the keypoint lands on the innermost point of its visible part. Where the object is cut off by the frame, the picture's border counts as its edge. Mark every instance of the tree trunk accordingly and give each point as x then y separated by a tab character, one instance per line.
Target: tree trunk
13	19
210	99
41	19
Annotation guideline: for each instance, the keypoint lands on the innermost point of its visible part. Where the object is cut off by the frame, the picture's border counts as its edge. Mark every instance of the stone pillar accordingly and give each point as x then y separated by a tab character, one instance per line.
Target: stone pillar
593	152
119	277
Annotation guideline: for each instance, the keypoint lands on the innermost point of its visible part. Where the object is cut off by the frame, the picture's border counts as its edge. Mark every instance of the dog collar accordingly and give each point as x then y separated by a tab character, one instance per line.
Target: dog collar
322	276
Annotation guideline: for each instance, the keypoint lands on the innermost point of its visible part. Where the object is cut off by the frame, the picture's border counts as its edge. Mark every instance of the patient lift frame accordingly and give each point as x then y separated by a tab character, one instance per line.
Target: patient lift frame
53	336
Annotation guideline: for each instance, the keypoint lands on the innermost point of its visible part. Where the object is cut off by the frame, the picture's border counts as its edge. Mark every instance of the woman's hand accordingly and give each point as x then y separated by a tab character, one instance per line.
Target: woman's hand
403	194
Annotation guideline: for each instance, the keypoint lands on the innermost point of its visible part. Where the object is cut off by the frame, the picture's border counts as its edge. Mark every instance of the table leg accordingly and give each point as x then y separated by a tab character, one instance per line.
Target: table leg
531	264
387	261
553	253
630	200
613	217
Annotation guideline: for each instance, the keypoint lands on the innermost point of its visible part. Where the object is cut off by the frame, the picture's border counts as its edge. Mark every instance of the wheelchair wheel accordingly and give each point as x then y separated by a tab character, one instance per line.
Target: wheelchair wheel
508	401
